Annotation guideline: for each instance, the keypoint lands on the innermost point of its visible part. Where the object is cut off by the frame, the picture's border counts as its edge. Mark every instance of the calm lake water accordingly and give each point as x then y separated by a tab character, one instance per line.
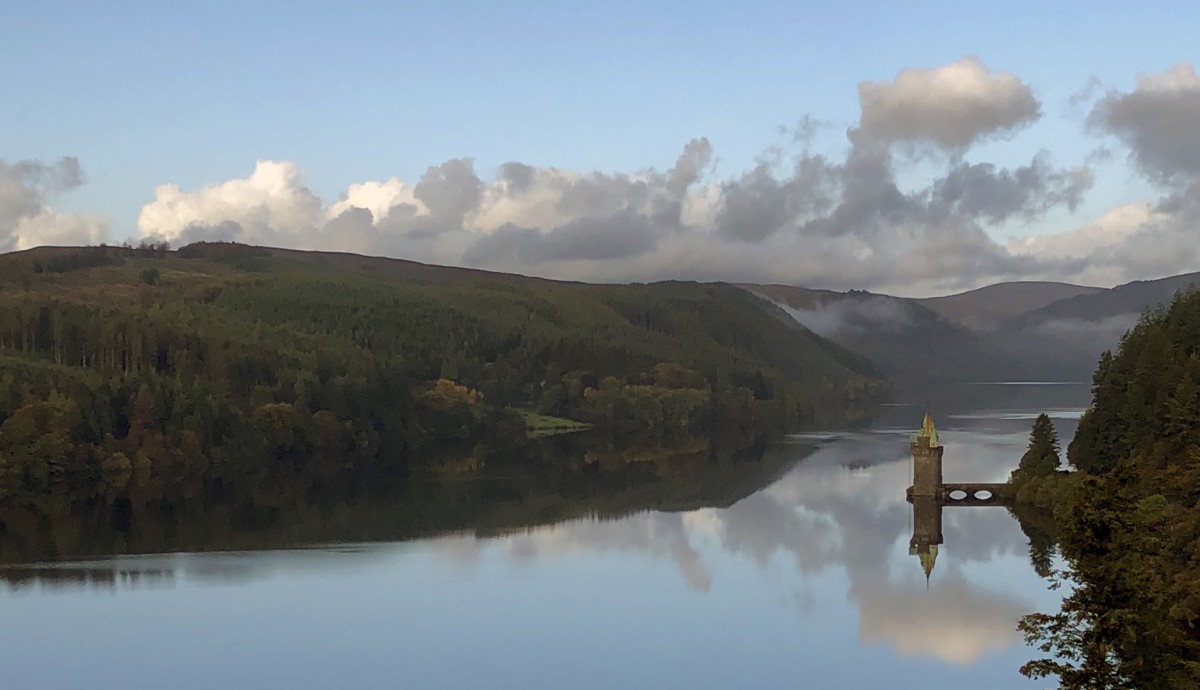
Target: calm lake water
803	578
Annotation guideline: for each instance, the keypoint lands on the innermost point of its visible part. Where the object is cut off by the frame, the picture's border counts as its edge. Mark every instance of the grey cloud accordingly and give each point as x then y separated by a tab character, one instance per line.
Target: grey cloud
450	191
758	204
689	166
755	206
518	176
980	191
599	194
902	236
1085	95
589	239
1160	122
805	131
952	106
51	179
18	199
869	197
962	254
26	186
26	219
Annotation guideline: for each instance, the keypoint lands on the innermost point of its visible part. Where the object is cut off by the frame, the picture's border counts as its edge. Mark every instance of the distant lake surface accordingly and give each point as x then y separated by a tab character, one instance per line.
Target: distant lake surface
791	569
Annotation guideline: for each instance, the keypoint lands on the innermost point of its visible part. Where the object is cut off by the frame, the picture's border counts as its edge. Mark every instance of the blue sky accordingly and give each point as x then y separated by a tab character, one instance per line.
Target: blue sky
194	94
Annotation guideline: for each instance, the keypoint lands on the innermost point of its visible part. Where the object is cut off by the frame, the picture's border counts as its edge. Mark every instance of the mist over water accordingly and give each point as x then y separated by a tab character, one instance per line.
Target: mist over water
806	581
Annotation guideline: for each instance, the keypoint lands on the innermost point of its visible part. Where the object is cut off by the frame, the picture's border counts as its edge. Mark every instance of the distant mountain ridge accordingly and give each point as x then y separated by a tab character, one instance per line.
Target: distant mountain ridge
986	307
910	343
1130	298
1039	330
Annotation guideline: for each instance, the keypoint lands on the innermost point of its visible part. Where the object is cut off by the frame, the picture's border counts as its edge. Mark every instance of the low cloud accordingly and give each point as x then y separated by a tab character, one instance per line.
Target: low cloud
854	316
1083	332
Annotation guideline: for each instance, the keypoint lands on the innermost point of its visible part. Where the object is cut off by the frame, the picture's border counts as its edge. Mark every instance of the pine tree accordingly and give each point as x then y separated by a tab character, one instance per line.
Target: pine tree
1042	457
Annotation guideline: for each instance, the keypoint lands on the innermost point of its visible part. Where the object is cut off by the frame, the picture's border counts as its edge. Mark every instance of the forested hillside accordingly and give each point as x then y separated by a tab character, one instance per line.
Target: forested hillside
120	362
1130	525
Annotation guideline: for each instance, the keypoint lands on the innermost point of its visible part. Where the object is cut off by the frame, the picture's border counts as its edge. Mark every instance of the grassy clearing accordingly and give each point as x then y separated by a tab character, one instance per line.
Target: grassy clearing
540	425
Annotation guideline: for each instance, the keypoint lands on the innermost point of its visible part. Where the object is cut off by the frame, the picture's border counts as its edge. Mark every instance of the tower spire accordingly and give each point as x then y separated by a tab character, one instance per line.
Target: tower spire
929	430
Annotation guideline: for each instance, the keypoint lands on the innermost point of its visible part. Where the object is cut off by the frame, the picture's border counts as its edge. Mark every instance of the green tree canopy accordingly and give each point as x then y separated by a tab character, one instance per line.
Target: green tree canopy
1042	457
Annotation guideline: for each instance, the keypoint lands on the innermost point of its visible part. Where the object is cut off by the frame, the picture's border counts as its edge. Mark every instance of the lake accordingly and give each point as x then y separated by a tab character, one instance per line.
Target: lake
789	568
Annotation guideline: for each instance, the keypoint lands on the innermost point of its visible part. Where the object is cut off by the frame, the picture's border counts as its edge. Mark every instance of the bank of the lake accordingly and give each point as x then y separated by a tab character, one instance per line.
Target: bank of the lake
783	565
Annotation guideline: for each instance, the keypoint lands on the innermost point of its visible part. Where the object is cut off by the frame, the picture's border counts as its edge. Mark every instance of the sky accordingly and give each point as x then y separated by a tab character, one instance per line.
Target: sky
915	148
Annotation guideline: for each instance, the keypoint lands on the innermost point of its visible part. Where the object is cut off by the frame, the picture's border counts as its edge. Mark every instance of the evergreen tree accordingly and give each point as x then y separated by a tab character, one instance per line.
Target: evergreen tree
1130	531
1042	457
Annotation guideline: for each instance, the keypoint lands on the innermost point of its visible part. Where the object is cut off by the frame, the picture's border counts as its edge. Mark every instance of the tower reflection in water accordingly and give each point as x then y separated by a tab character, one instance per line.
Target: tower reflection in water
927	531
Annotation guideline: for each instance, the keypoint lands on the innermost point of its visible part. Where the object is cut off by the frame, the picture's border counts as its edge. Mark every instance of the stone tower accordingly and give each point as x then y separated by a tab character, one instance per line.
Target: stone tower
927	460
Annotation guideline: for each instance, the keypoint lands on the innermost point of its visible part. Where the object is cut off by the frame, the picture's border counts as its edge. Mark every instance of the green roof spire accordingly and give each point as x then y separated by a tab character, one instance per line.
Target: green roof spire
929	431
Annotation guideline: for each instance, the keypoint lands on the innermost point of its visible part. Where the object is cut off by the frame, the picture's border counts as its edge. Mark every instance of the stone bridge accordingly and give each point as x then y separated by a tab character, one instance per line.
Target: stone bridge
927	476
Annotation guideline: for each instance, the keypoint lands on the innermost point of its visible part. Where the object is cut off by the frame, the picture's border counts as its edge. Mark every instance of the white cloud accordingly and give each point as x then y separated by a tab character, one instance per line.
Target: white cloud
377	197
1180	78
951	623
273	200
50	228
1111	228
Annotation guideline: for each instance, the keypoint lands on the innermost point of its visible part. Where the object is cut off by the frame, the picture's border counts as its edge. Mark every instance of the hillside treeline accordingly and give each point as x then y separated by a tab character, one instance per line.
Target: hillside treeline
120	364
1129	522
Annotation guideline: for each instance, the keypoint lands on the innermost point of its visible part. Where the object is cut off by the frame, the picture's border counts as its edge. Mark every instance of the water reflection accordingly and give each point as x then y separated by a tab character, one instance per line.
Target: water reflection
84	577
802	560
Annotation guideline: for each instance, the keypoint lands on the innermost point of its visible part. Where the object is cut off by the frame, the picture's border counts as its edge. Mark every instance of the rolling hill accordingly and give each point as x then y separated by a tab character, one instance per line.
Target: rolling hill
985	308
141	362
1098	305
1065	338
909	342
1018	330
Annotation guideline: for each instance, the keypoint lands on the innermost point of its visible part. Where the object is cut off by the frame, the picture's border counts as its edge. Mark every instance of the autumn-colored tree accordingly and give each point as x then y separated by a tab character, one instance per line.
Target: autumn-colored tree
276	423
